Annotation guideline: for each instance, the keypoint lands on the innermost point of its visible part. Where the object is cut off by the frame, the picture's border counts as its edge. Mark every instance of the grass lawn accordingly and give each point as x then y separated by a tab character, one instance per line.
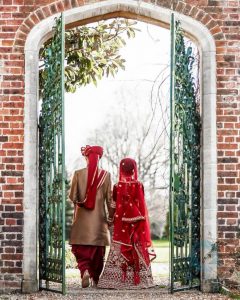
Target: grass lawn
161	243
161	248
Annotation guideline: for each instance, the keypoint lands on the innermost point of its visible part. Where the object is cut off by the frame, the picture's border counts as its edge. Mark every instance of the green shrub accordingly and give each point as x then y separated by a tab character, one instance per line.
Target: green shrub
70	259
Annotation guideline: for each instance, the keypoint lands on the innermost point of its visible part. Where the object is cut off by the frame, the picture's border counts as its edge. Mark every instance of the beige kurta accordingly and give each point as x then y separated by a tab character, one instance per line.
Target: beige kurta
90	226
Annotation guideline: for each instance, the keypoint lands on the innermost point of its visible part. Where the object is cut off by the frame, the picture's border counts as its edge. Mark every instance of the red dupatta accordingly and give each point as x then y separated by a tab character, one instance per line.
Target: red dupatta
131	222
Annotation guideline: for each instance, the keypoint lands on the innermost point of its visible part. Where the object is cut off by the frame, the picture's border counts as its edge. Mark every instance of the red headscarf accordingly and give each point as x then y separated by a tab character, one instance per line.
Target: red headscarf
131	222
95	178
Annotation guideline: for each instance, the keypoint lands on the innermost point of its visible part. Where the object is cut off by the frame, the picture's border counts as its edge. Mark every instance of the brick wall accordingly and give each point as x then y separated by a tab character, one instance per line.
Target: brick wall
17	17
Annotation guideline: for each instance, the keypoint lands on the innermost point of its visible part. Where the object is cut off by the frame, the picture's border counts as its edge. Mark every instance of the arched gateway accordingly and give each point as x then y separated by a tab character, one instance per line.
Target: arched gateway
148	13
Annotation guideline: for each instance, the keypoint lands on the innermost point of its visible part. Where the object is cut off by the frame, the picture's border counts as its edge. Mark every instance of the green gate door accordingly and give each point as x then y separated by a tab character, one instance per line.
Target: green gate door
52	167
184	167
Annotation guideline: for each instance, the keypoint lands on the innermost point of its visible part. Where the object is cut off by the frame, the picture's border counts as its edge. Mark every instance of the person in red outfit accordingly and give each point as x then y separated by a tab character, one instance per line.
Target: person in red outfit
128	263
90	190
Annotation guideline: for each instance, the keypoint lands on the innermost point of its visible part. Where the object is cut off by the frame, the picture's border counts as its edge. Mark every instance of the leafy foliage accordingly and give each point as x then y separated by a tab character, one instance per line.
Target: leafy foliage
70	258
92	51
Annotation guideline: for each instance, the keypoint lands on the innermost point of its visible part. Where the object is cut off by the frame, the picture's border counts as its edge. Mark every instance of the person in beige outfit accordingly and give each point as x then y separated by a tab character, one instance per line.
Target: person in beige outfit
90	192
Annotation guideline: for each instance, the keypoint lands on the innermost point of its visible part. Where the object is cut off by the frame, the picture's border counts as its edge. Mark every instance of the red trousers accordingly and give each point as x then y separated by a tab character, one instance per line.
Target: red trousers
89	258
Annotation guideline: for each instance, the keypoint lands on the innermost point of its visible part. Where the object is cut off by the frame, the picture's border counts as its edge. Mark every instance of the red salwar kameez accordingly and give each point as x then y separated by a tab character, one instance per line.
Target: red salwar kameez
90	192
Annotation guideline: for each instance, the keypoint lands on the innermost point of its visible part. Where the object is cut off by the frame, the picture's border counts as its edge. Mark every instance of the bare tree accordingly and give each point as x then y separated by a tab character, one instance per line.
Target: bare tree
127	133
139	130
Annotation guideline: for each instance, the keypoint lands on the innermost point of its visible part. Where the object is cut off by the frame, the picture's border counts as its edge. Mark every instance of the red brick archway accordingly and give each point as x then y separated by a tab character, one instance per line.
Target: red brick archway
148	13
18	18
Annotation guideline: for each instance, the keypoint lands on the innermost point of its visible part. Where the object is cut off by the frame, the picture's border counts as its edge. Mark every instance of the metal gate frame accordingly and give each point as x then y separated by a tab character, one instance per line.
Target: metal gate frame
52	194
184	193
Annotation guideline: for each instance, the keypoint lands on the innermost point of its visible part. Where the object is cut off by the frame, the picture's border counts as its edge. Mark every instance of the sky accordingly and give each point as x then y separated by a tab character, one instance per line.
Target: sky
146	56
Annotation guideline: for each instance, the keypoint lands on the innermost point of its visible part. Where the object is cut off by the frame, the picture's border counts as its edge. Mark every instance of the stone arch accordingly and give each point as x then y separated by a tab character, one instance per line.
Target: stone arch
59	6
37	28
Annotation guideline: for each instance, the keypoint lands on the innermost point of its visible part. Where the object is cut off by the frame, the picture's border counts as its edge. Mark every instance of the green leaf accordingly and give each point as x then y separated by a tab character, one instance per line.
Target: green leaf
91	49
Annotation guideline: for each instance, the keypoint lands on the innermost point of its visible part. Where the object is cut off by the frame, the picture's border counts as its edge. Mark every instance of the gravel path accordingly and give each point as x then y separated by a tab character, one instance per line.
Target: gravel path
74	291
117	295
